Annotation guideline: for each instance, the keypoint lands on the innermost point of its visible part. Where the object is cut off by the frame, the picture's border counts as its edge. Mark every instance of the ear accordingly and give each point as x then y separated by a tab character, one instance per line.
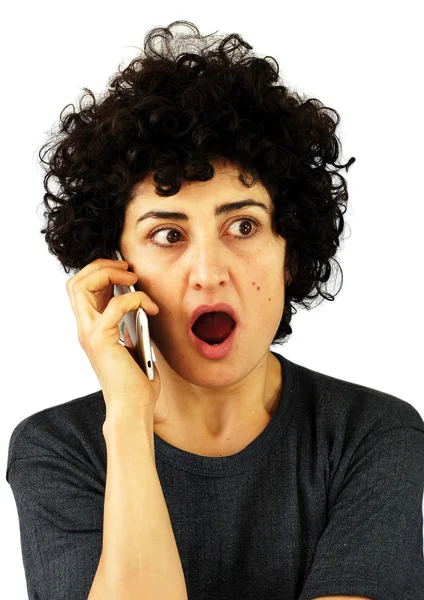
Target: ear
288	276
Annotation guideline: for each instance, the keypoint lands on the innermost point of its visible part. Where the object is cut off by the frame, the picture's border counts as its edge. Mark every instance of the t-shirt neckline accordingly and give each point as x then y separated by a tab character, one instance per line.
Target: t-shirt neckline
246	459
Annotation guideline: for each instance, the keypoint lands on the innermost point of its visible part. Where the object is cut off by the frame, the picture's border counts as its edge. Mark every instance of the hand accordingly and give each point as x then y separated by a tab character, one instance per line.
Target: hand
126	388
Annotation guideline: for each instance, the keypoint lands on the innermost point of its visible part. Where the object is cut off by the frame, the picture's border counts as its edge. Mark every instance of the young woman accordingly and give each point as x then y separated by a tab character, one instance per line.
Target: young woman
235	473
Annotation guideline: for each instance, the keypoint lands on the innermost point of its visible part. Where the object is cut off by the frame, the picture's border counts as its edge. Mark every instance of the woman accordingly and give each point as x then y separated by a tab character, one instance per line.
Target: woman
235	473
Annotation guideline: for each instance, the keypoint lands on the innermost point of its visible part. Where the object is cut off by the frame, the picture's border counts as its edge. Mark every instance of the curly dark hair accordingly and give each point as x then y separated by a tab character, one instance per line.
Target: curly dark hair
171	114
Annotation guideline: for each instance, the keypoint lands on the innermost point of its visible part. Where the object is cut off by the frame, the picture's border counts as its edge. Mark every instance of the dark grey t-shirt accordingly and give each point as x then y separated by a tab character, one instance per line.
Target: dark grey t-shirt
326	500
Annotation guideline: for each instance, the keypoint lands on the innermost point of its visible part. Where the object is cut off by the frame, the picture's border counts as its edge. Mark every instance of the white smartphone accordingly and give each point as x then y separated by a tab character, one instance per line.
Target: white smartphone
138	329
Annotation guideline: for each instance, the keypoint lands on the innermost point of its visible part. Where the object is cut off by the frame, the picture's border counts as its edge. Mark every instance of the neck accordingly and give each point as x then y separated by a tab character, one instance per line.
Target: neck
210	414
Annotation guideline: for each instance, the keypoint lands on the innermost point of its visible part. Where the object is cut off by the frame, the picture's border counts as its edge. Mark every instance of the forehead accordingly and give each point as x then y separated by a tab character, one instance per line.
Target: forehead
222	187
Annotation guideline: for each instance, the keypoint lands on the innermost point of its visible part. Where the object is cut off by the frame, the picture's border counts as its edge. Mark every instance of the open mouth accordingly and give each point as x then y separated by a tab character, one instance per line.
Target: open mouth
213	328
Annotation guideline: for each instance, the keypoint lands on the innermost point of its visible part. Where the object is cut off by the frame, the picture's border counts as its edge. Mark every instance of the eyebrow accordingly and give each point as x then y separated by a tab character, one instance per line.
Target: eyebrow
219	210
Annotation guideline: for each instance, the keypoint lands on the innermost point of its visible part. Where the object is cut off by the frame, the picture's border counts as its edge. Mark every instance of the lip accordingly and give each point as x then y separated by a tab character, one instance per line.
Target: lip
205	308
214	352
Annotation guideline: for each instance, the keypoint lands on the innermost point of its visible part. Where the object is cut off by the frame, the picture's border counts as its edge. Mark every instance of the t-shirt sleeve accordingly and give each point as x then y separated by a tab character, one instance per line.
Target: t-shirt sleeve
372	545
60	503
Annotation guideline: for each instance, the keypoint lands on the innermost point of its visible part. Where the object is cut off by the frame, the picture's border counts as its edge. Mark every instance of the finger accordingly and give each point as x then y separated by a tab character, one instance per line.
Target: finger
85	303
95	265
107	324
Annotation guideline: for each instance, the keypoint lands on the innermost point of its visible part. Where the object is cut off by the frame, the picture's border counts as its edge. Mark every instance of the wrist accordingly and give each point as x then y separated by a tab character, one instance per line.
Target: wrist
128	420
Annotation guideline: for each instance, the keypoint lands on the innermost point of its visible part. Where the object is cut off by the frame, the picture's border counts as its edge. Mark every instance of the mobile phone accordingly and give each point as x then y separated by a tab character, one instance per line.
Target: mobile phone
138	328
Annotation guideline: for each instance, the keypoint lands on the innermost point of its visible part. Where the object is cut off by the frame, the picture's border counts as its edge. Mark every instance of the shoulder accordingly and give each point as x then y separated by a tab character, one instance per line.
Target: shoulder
62	429
348	404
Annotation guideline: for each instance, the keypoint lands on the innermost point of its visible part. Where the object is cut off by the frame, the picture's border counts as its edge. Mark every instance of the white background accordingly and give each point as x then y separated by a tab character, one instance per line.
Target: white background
363	59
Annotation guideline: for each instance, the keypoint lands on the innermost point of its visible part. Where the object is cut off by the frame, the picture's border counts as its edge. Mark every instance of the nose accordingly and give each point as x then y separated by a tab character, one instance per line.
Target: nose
209	266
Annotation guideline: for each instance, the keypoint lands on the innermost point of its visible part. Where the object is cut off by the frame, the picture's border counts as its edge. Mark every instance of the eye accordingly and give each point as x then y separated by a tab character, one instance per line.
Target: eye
243	237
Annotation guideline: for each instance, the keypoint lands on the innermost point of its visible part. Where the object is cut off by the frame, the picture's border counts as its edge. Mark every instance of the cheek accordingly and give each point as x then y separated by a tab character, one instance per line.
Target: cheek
256	285
266	294
266	287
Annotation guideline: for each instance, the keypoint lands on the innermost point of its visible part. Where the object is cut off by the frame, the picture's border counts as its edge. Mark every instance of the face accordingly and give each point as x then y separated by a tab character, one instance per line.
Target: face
234	257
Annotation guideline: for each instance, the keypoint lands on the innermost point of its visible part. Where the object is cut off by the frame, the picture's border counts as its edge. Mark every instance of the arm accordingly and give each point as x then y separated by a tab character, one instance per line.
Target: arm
139	552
